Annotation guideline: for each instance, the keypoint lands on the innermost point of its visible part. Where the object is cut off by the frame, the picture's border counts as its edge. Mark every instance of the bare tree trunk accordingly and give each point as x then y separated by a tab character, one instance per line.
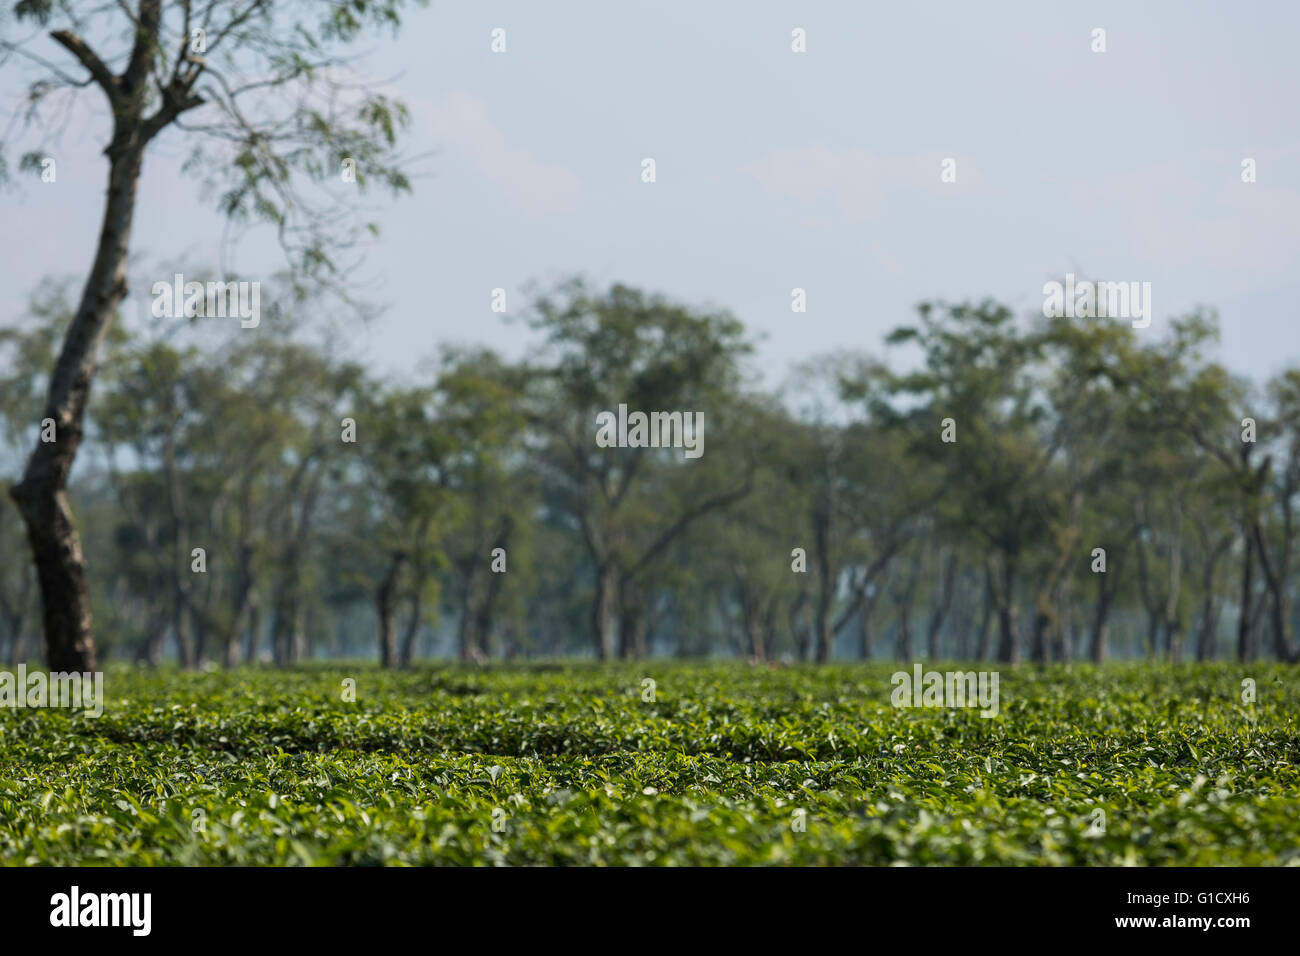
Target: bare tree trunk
905	597
799	629
413	624
471	575
827	578
864	623
16	613
386	608
1245	623
1044	620
151	648
1279	601
754	620
254	646
243	606
1209	626
486	611
180	570
602	610
42	495
1098	641
631	621
1172	620
986	615
942	606
1008	613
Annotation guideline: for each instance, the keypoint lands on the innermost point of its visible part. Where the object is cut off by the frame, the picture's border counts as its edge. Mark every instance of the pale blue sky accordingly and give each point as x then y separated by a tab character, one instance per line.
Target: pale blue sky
776	169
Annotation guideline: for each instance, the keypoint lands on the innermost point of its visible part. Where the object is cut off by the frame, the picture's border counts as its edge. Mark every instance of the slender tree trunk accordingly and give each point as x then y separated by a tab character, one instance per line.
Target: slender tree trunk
602	610
150	650
16	614
1208	631
1008	613
42	495
1099	640
1279	601
254	630
827	578
386	608
986	616
180	570
799	629
1245	623
864	624
753	619
631	626
413	624
905	598
1064	635
942	606
471	574
1173	624
243	606
486	611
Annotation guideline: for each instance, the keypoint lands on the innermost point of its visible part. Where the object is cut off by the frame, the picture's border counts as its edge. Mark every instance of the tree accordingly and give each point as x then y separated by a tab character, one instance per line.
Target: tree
492	490
977	382
625	347
217	75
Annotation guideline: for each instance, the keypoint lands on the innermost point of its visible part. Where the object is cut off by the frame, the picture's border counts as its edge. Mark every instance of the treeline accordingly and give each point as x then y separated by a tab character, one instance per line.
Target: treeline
1002	488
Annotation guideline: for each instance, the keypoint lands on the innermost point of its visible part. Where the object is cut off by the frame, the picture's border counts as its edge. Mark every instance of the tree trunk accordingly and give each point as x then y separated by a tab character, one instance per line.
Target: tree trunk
1245	623
905	598
602	610
827	578
631	621
151	649
386	607
941	608
471	572
1008	613
864	623
1279	601
42	496
486	611
1209	626
243	606
753	620
254	630
16	613
1172	620
799	629
1098	641
986	616
413	625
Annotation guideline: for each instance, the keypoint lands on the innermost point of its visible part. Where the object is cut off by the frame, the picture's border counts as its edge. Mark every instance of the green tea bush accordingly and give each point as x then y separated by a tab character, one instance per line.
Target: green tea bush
726	764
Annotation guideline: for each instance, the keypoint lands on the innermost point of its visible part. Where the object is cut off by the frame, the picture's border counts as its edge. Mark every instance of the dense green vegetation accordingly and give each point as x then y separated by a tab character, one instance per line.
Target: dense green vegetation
275	767
258	498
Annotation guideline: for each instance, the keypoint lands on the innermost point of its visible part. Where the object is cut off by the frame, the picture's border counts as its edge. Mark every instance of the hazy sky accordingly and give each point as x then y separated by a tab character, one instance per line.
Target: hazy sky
776	169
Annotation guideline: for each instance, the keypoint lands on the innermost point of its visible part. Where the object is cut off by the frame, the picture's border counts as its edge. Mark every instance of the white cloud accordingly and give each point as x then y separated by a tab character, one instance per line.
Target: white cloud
1209	221
530	185
853	178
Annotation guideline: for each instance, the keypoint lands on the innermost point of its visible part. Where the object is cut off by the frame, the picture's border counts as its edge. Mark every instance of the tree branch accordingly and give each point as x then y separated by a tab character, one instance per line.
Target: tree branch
91	61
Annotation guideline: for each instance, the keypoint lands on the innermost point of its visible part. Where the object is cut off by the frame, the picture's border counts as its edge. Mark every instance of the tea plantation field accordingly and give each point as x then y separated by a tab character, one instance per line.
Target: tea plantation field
727	764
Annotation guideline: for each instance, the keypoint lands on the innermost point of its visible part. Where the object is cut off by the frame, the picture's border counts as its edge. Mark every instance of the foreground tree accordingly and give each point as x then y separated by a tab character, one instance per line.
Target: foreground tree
265	114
